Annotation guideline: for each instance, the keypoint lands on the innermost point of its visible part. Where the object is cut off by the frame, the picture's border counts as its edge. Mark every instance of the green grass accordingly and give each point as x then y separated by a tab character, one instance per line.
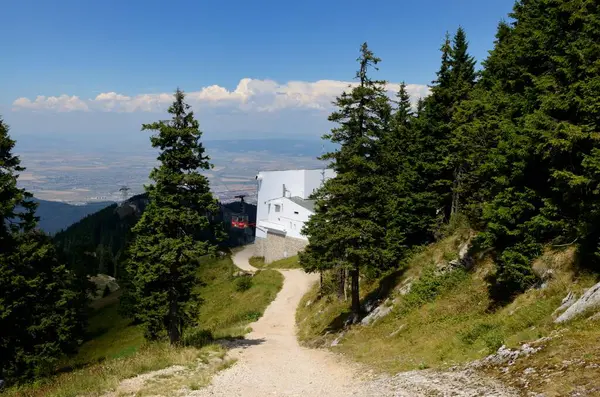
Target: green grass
446	320
225	311
116	349
286	263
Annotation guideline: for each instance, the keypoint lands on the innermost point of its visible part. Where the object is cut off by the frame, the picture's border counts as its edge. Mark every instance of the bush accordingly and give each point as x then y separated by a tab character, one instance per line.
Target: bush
493	341
243	283
429	285
471	336
197	338
252	316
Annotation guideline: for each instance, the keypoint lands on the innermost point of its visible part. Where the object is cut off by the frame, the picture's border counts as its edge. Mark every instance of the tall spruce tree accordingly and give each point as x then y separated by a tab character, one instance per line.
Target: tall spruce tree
537	113
42	303
177	230
462	81
354	197
407	223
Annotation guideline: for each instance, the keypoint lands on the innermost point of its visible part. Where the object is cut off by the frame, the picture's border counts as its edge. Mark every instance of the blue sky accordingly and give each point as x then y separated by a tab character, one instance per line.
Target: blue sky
100	67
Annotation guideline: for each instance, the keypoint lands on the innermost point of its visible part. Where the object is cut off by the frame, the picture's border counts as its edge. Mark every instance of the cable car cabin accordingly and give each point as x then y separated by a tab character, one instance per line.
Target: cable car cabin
239	221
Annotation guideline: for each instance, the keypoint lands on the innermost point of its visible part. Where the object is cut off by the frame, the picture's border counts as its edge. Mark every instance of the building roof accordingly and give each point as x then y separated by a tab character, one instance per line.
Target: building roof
308	204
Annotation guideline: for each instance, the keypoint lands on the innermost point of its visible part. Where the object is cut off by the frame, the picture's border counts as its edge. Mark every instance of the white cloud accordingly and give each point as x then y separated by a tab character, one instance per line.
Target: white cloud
63	103
250	95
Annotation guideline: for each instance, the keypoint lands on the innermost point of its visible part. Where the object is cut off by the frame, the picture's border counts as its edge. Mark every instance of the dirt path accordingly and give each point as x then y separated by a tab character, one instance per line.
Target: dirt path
272	363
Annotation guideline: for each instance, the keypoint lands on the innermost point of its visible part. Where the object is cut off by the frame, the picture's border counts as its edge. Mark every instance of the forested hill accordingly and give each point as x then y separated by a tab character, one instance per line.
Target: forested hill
55	216
97	242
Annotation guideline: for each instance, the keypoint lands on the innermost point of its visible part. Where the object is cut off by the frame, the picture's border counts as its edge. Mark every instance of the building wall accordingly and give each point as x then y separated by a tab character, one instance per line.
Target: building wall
291	216
270	186
277	246
299	183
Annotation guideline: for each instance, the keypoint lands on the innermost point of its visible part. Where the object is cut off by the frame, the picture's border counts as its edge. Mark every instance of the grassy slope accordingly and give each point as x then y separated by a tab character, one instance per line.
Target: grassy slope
286	263
116	349
457	325
227	312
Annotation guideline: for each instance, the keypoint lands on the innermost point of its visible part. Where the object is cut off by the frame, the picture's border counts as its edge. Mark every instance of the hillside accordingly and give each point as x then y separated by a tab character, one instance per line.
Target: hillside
56	216
115	348
434	313
97	242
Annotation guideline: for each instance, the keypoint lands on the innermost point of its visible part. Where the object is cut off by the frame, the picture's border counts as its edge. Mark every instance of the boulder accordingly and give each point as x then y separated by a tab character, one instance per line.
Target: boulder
405	286
566	303
102	281
379	312
590	300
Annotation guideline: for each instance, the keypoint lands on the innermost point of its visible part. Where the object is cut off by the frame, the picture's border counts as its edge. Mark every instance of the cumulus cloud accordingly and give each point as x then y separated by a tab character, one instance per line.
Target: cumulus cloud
252	95
63	103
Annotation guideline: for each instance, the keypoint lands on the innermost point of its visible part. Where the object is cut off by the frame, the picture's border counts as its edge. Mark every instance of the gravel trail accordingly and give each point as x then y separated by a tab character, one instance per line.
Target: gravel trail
272	363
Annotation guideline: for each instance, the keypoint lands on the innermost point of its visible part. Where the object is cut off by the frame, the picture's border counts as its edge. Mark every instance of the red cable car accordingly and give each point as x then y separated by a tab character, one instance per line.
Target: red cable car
240	220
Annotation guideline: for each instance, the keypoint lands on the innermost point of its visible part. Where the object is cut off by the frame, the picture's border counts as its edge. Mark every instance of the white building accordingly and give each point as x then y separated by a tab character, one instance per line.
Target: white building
282	209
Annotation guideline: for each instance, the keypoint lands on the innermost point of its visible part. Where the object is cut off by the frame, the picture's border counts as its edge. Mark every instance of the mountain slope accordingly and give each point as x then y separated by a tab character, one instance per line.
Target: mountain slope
97	242
436	312
55	216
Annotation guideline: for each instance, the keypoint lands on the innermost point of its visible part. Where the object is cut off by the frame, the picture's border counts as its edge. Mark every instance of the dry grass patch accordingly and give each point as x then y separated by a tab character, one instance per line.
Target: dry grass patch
96	379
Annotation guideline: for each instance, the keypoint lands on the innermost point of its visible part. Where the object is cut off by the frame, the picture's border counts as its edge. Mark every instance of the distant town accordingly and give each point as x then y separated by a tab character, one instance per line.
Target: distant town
78	178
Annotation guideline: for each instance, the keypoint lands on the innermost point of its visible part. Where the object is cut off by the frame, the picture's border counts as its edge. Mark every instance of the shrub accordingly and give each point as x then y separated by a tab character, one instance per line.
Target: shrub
429	285
471	336
252	316
198	338
243	284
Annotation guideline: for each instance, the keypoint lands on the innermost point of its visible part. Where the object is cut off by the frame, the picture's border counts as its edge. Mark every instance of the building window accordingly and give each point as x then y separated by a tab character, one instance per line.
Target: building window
296	212
277	208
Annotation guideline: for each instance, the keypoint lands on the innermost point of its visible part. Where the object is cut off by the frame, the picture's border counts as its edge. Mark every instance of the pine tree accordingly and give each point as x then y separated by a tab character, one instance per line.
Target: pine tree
462	78
403	113
176	231
537	113
42	303
354	197
401	155
17	212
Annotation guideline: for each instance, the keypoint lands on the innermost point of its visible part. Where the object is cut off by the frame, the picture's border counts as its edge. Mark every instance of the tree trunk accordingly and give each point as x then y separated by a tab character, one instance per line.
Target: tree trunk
321	282
346	275
174	326
355	295
174	331
341	283
456	186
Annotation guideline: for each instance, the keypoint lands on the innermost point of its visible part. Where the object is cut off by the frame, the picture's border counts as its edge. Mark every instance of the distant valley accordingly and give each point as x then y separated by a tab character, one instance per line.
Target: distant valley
78	173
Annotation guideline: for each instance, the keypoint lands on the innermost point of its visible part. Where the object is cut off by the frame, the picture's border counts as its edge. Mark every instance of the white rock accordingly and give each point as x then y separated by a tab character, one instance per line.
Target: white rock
566	303
337	340
380	311
588	301
396	332
463	250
